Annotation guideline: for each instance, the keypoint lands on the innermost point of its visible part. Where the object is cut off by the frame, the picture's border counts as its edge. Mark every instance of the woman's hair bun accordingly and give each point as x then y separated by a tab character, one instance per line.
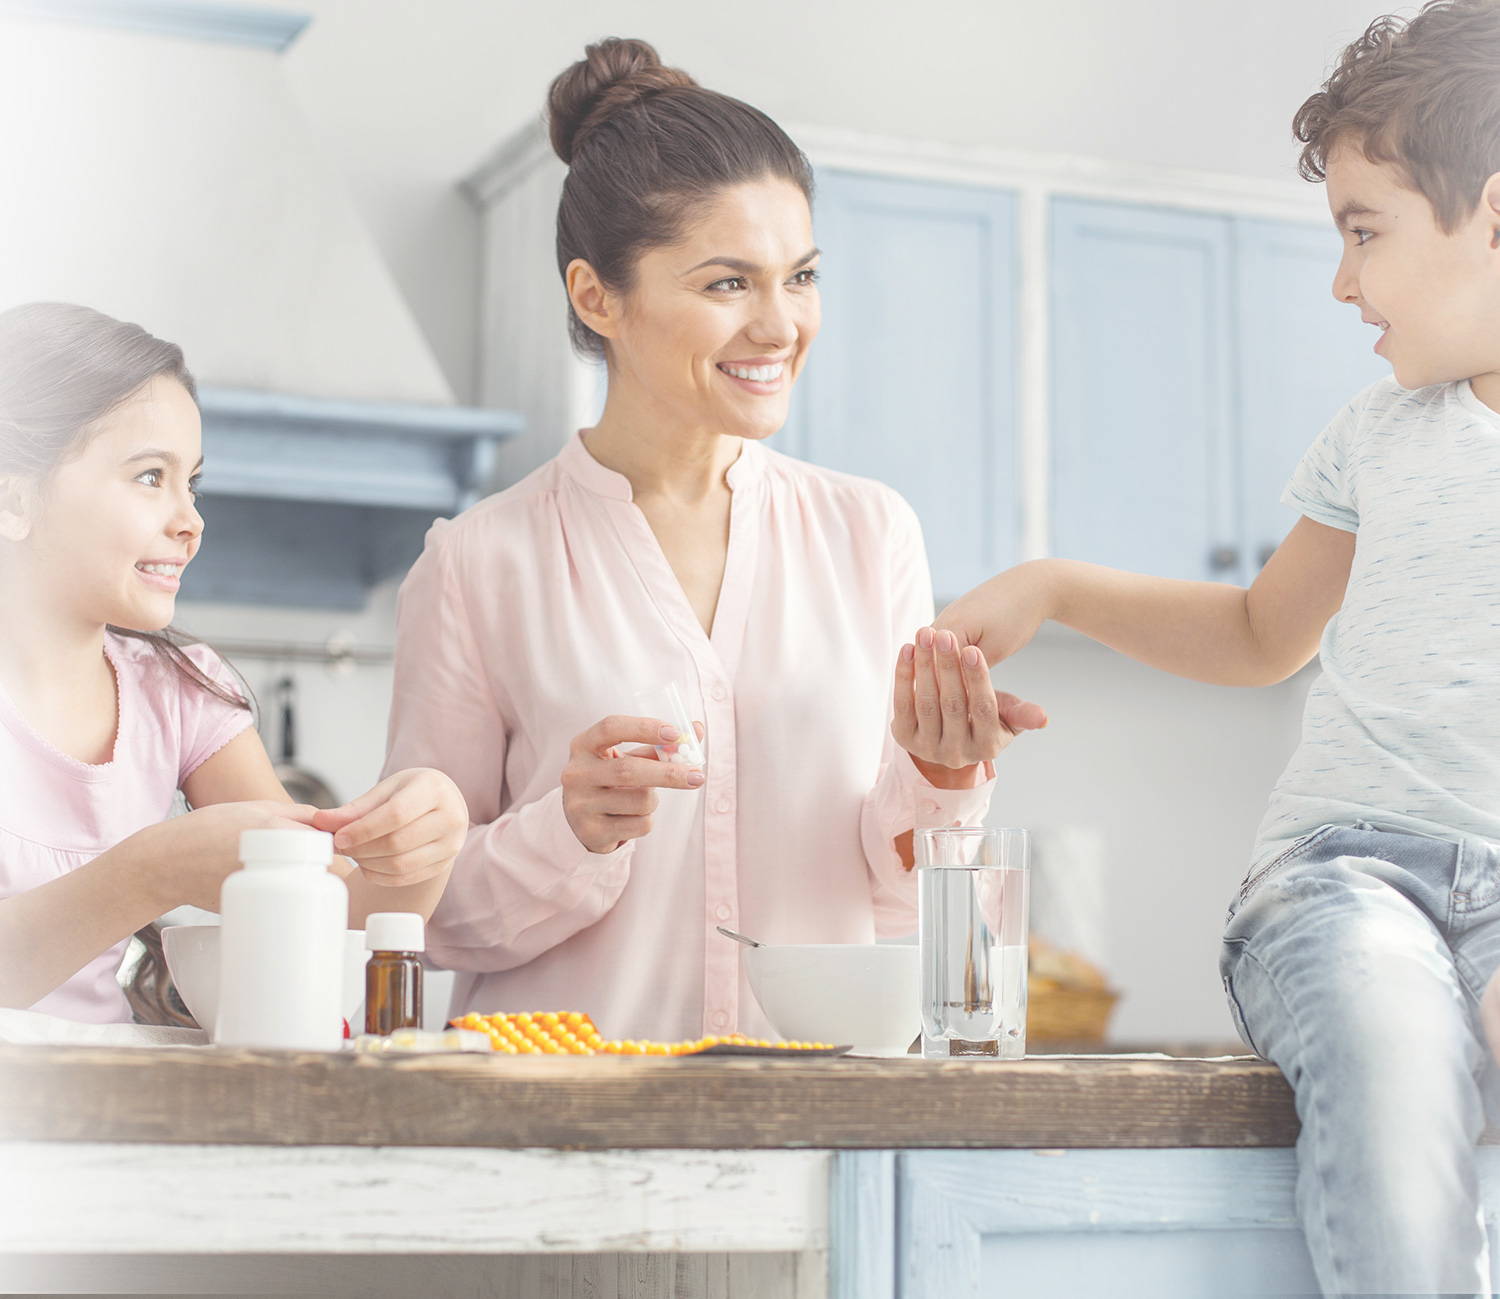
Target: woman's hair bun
612	74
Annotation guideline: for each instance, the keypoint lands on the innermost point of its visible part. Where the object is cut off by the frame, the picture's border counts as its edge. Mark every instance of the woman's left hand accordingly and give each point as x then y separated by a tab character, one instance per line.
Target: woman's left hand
948	714
406	830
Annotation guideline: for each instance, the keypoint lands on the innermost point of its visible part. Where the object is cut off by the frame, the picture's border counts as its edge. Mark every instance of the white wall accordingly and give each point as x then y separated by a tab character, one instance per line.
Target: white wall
175	183
408	97
1174	775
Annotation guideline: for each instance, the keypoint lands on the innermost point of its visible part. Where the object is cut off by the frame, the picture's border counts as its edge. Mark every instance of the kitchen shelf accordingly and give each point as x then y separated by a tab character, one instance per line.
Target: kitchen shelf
311	501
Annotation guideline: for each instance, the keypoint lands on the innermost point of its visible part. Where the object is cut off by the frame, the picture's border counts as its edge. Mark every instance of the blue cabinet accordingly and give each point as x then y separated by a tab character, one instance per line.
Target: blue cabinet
1169	1223
1141	396
311	502
912	380
1302	356
1194	359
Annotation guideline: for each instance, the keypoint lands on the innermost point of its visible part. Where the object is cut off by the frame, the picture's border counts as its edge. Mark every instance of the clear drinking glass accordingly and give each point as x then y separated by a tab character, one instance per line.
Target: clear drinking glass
972	906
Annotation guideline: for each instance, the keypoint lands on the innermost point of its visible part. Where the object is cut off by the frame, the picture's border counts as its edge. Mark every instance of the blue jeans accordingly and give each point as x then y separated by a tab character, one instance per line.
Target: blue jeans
1355	962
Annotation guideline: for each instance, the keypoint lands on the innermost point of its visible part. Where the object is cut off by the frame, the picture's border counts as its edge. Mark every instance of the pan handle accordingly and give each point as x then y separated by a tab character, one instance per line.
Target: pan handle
286	696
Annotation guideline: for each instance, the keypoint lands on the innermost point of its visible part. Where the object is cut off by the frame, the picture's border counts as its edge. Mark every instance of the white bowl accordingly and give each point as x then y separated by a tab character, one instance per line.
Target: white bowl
192	953
866	995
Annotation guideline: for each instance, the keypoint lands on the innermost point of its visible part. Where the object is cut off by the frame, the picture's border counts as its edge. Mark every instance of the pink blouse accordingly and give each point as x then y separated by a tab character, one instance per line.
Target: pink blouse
542	610
57	813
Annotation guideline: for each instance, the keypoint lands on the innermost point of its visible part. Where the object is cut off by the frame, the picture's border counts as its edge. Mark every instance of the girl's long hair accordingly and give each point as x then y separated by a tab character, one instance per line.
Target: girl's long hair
62	369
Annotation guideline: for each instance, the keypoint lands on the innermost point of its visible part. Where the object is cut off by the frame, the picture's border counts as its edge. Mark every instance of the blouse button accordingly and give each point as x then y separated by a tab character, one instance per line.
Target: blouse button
723	805
720	693
721	1020
723	911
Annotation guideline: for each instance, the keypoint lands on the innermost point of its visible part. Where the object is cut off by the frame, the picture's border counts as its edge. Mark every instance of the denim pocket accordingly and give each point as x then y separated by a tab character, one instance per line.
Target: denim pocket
1282	860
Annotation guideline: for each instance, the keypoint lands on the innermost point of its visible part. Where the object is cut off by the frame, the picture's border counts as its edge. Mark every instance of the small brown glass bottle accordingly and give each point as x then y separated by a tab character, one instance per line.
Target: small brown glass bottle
393	976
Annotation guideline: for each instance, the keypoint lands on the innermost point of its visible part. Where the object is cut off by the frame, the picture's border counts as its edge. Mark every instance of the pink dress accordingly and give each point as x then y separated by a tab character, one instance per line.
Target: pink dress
57	813
545	608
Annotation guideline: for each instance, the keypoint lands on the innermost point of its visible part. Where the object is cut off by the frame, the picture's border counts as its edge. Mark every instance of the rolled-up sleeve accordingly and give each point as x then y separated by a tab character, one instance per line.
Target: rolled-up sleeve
902	799
522	882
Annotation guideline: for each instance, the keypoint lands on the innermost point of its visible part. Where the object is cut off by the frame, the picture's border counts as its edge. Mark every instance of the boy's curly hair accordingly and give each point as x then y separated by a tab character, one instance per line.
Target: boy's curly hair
1422	95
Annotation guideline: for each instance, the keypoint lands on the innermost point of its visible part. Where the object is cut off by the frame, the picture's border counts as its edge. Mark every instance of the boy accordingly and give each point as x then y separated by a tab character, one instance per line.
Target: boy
1360	944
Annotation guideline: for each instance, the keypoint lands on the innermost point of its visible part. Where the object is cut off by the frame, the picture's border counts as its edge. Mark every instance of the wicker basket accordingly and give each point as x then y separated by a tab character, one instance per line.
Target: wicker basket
1069	998
1064	1012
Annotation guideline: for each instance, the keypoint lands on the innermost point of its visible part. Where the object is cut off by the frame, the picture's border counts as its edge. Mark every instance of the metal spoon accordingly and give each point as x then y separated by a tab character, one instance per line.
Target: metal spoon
739	938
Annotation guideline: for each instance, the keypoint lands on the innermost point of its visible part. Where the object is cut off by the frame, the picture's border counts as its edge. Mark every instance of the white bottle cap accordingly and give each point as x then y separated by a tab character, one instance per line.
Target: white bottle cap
286	848
395	931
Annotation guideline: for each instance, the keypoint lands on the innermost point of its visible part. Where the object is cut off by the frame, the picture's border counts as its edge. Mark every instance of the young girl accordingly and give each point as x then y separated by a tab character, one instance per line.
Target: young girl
103	718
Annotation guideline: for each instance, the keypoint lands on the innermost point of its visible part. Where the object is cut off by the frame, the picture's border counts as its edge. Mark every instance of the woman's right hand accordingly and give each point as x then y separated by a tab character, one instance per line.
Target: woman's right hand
189	856
609	796
1001	615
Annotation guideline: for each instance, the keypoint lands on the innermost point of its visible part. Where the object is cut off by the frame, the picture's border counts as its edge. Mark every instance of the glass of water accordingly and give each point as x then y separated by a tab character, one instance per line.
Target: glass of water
972	901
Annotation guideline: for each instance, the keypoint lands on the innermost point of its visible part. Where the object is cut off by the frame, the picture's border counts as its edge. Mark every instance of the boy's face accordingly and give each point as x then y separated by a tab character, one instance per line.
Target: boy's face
1434	295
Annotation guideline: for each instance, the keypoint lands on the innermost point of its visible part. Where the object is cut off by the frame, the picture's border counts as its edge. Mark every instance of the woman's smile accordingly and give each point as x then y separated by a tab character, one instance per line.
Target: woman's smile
761	376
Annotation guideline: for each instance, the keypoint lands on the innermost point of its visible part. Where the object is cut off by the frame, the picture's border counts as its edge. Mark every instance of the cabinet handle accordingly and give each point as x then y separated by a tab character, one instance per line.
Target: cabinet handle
1264	557
1223	558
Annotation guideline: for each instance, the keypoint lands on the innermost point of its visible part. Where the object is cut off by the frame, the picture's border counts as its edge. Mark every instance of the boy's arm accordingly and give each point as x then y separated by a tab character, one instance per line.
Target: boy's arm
1208	631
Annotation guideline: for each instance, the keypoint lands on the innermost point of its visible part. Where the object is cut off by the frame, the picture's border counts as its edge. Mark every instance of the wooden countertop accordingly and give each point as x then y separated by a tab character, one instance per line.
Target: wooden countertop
211	1096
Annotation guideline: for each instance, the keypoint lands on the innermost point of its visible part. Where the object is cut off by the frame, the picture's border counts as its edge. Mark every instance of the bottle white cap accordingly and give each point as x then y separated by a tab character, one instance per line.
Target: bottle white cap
286	848
395	931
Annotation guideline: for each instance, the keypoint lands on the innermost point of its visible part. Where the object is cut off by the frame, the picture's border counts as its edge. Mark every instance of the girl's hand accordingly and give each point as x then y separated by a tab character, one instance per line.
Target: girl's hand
406	830
608	797
948	715
190	855
1001	616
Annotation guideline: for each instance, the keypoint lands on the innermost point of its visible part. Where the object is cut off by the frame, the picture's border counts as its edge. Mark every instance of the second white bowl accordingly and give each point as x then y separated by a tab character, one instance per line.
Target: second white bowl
865	994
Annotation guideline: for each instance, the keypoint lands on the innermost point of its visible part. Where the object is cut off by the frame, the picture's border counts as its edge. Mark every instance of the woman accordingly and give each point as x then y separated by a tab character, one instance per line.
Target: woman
666	545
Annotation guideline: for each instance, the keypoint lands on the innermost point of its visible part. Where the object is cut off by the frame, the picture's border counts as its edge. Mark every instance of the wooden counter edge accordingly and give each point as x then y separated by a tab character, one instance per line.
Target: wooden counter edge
214	1096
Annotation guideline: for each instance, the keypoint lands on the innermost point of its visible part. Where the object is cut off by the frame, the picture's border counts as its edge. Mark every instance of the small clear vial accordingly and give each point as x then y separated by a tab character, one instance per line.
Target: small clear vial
393	976
666	704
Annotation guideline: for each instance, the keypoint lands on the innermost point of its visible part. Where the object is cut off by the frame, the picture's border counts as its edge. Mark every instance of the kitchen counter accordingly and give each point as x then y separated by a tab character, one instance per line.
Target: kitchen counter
580	1103
171	1170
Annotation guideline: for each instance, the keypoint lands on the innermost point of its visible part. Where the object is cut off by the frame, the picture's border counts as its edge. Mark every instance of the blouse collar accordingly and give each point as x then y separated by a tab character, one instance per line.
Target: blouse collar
587	471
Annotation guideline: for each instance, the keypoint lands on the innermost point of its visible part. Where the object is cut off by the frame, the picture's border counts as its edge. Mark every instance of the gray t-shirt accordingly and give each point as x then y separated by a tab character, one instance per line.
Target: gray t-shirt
1402	727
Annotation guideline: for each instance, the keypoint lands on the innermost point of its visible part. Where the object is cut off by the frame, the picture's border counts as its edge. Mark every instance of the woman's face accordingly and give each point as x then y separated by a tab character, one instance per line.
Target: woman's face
715	329
112	528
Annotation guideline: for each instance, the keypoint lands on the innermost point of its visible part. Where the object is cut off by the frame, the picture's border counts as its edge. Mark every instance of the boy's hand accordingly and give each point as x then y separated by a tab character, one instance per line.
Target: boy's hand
1002	615
406	830
948	715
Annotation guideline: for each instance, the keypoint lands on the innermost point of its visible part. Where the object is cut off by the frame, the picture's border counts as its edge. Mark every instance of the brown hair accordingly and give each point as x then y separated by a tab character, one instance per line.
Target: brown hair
645	146
62	369
1423	95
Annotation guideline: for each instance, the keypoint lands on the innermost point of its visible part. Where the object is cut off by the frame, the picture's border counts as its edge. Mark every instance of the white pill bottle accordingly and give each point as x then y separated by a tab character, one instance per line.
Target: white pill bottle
281	945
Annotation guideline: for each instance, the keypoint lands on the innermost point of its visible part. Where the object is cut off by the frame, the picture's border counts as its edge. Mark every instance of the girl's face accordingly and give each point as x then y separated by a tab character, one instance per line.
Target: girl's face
112	528
715	329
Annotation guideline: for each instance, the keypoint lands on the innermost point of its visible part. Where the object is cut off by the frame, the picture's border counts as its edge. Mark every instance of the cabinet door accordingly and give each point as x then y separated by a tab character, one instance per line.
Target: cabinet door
912	379
1302	356
1141	389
